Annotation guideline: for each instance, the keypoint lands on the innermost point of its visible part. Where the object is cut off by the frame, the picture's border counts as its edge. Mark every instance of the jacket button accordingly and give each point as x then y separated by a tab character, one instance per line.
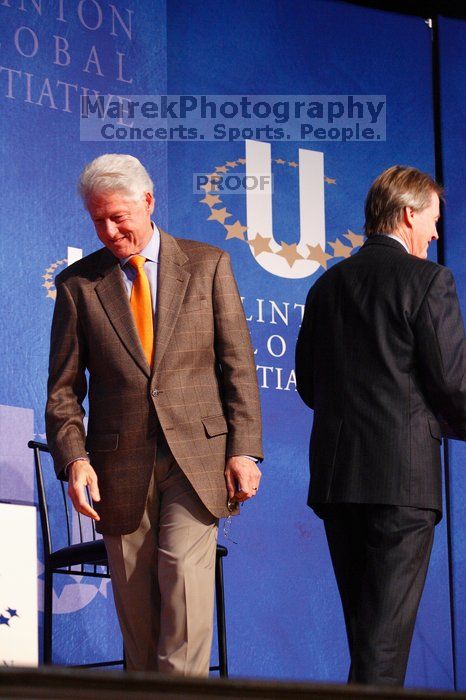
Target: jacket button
155	392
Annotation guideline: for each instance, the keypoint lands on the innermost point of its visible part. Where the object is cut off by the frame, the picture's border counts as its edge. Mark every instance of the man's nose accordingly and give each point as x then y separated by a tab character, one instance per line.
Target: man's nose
110	227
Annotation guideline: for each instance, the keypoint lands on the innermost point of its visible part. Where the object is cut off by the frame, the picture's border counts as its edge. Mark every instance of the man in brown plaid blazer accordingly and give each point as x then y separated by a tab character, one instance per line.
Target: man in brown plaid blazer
169	448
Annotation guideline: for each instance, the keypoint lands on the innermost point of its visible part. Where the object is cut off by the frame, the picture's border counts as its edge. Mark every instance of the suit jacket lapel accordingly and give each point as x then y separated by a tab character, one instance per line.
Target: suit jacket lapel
114	298
171	288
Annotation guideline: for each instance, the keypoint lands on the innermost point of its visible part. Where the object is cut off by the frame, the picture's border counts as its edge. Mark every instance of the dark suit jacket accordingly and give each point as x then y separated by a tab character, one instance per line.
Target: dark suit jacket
380	357
202	392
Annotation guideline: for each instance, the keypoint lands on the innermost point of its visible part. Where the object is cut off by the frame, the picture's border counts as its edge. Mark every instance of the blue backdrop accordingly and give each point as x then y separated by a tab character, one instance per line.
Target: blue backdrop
284	617
453	132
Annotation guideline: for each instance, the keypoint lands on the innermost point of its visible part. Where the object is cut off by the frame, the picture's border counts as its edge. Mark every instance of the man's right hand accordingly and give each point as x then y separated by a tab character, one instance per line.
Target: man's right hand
80	475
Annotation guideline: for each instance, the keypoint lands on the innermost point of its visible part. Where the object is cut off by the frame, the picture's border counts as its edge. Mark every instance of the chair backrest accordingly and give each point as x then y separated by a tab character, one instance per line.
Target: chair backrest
61	525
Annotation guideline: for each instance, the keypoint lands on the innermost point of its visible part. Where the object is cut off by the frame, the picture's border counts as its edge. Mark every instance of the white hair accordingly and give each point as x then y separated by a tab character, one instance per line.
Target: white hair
115	172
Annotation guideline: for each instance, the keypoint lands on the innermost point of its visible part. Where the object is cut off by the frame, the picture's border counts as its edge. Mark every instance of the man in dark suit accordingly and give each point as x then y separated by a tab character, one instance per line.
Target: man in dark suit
381	359
174	427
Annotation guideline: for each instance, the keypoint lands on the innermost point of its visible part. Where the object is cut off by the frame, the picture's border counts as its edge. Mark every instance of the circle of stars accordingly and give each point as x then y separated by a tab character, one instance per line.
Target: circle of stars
48	278
261	244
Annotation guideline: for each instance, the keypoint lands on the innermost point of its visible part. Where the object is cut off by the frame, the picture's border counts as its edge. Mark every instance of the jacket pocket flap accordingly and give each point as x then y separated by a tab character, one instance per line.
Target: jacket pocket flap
215	425
194	304
102	442
435	429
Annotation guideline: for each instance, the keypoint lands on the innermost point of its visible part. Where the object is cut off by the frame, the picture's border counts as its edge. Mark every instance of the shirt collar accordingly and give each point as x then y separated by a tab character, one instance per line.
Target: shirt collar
397	238
151	250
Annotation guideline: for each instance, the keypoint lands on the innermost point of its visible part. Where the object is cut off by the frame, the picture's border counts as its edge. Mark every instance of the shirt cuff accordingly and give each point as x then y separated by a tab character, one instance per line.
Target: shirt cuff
76	459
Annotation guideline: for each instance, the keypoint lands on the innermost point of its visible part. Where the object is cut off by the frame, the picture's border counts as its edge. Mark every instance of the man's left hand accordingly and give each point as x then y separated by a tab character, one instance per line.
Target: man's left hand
242	476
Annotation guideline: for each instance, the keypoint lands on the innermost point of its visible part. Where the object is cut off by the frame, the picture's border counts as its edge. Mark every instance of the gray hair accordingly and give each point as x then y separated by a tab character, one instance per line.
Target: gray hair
394	189
115	172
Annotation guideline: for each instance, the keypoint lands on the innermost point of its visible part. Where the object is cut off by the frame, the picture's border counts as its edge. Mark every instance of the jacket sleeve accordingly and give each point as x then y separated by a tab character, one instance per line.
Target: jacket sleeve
441	352
67	385
304	354
237	367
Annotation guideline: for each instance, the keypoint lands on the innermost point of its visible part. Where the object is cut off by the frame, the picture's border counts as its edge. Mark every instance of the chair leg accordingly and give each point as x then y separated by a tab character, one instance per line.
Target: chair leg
221	624
48	612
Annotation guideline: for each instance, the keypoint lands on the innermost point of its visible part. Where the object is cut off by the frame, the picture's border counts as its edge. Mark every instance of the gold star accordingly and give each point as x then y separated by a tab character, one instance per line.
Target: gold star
292	163
280	161
51	294
330	180
221	169
241	160
211	199
260	244
219	215
231	163
47	285
340	250
290	253
235	230
355	239
50	269
47	277
317	253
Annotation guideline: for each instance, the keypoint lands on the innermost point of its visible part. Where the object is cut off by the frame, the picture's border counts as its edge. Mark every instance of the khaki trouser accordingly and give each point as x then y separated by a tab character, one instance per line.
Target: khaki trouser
163	577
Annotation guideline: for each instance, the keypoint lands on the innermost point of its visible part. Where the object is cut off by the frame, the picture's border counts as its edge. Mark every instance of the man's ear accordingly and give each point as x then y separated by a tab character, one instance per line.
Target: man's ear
150	202
408	216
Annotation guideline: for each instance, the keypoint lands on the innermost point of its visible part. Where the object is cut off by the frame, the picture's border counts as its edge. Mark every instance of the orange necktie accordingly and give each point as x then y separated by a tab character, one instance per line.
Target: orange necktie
141	306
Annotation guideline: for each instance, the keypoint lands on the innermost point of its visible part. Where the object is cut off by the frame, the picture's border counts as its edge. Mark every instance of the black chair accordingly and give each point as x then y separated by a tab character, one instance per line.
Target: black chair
91	556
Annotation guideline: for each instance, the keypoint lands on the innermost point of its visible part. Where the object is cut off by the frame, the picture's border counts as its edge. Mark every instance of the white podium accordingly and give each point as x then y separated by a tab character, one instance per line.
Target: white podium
18	586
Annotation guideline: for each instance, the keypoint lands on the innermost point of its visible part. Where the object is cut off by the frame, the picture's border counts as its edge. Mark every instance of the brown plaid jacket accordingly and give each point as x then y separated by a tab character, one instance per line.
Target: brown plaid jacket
202	392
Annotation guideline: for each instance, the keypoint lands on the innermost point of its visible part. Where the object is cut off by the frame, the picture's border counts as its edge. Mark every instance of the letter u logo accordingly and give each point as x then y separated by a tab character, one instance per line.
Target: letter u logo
294	263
